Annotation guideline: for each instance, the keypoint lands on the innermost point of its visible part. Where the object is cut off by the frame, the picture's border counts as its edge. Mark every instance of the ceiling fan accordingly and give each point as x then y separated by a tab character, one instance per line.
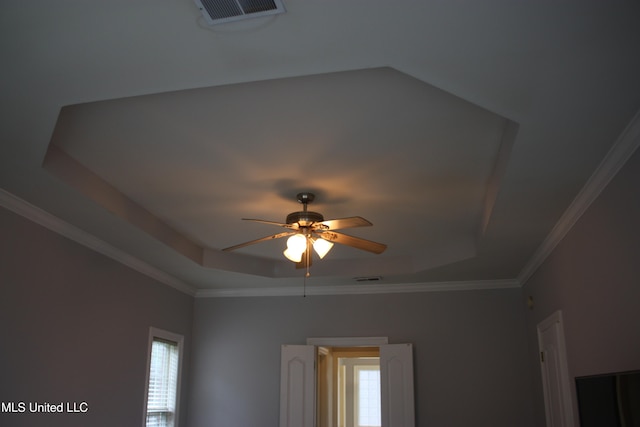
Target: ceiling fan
307	229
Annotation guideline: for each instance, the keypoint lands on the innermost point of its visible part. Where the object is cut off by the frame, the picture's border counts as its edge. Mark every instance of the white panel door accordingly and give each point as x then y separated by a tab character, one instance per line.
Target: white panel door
555	373
297	386
396	383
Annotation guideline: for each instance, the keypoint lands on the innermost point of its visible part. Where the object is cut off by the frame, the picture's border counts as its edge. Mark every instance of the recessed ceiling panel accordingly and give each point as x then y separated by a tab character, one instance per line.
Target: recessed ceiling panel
412	159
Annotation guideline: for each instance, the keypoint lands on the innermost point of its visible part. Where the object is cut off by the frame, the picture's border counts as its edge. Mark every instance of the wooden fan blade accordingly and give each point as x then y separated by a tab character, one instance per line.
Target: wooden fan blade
279	224
263	239
354	221
355	242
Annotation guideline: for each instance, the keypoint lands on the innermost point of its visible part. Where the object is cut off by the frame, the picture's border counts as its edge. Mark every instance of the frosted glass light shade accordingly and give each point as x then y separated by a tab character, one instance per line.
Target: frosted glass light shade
322	247
296	245
293	256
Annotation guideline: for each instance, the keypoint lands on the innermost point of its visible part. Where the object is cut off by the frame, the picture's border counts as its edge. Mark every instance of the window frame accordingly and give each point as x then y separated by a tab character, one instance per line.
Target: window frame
163	335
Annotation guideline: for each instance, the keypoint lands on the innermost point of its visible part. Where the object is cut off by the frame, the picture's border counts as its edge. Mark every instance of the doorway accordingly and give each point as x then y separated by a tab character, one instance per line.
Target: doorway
299	388
348	387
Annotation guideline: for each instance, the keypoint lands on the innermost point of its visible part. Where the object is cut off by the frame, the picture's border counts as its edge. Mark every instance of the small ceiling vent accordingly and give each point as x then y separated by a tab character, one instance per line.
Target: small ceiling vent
221	11
367	279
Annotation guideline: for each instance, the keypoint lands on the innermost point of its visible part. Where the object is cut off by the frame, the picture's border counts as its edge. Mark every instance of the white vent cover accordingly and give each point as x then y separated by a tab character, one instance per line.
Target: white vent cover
220	11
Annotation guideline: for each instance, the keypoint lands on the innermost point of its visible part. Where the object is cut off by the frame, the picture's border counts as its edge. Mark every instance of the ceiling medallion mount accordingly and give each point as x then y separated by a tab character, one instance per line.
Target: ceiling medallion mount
307	230
305	198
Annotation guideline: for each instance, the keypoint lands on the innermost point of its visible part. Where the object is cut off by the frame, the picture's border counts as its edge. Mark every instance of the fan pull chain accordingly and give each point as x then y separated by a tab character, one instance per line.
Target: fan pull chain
307	274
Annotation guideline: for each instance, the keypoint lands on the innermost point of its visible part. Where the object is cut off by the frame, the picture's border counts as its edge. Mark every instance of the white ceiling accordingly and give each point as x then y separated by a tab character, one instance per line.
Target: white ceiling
462	130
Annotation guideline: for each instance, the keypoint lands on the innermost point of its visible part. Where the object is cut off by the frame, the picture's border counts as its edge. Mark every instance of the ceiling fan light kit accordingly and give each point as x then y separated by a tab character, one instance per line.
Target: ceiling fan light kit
309	229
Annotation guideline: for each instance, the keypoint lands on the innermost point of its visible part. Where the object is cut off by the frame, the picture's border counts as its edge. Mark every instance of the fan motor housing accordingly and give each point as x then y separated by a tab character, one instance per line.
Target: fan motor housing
304	218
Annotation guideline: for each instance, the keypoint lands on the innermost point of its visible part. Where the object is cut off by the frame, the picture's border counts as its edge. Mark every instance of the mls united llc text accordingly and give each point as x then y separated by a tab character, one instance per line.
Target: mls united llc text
45	407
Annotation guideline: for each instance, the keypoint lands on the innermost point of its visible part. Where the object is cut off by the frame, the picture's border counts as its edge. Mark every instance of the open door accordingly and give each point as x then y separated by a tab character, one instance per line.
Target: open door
555	372
297	386
396	383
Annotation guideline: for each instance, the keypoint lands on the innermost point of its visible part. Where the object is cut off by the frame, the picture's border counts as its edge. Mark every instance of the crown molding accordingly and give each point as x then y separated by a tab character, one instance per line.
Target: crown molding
47	220
316	290
618	155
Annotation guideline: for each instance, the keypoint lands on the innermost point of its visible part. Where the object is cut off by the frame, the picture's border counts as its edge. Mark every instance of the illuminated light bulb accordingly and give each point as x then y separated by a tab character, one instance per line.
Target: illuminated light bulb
322	247
292	256
296	245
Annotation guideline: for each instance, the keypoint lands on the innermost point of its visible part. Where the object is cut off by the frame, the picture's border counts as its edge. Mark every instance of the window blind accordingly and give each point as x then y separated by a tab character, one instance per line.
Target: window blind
163	383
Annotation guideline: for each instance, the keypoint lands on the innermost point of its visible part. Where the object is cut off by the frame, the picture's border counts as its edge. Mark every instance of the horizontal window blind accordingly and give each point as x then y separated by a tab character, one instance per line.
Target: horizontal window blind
163	383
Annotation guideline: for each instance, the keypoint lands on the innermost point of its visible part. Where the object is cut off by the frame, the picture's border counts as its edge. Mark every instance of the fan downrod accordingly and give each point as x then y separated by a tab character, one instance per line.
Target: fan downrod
304	218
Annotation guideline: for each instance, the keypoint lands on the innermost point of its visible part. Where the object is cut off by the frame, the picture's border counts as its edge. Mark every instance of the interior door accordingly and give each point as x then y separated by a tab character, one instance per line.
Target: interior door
297	386
555	373
396	383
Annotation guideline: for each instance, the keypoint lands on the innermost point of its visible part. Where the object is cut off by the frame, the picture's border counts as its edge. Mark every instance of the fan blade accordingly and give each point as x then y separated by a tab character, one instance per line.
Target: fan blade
356	242
279	224
354	221
263	239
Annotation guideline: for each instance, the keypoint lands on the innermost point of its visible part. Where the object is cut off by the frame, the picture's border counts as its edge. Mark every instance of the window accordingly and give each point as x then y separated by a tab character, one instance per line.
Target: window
367	395
163	379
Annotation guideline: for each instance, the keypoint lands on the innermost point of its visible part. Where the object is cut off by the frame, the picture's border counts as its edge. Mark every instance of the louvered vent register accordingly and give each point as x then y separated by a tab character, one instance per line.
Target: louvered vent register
221	11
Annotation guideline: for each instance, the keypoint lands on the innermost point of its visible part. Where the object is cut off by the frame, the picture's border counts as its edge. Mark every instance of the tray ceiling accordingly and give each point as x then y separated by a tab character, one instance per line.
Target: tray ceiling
463	132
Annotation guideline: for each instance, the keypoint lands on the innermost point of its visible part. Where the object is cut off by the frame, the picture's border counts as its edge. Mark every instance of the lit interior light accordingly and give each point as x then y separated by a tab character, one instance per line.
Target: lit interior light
296	245
293	256
322	247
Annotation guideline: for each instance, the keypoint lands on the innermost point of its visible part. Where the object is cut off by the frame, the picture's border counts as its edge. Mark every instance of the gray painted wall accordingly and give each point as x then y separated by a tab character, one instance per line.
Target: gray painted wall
74	324
74	328
593	276
469	348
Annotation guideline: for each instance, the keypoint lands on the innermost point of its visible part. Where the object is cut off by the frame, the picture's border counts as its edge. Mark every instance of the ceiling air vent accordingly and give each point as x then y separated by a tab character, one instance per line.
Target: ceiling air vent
367	279
221	11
